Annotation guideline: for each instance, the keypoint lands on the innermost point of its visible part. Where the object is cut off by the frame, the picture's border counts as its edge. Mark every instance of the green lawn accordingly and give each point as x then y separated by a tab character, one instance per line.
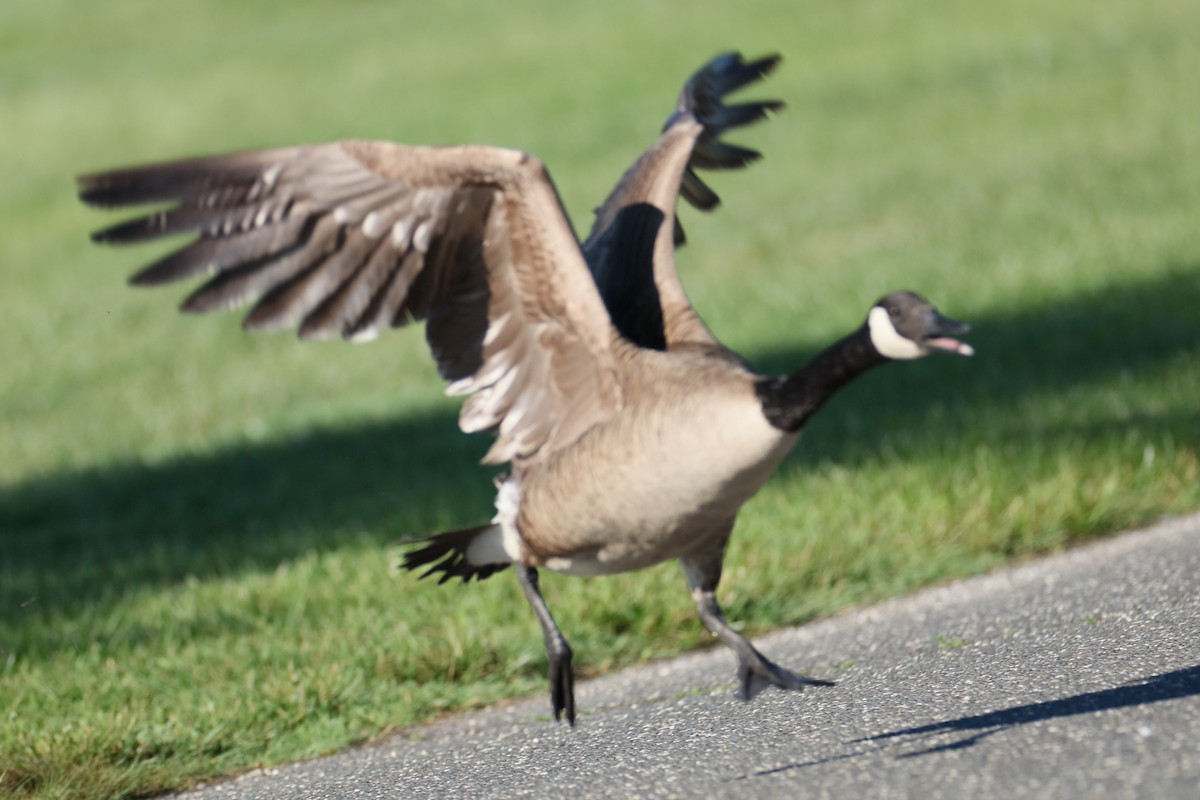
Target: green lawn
197	527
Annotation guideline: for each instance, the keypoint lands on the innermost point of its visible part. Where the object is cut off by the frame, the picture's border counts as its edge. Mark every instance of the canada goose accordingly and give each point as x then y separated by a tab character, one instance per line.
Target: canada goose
633	435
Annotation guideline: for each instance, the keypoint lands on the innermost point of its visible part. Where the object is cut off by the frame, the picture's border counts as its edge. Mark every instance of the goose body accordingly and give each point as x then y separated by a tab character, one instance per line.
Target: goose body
654	490
633	436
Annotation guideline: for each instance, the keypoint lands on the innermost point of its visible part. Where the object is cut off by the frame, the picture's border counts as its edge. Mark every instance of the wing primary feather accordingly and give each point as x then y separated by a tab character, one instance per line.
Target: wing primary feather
174	180
737	115
715	154
697	192
727	73
385	305
209	255
245	283
286	304
340	271
335	314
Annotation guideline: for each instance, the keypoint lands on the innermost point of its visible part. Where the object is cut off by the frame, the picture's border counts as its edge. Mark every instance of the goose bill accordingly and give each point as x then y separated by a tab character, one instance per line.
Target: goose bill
948	345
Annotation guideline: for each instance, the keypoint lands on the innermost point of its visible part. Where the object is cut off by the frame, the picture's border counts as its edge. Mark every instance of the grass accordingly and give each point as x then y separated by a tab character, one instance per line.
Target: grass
196	526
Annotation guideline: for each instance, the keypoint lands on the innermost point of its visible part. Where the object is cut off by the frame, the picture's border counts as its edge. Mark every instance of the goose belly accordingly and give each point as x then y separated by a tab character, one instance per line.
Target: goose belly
653	488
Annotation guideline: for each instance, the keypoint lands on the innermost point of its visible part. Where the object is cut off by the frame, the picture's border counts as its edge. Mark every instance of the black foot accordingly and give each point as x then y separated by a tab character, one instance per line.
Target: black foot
558	652
562	685
756	674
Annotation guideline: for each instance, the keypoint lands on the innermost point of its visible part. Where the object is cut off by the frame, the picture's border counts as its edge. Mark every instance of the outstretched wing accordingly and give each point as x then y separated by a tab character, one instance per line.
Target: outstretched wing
347	238
631	248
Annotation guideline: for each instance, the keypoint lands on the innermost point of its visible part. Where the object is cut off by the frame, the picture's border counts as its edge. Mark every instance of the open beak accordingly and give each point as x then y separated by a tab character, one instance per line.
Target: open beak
940	333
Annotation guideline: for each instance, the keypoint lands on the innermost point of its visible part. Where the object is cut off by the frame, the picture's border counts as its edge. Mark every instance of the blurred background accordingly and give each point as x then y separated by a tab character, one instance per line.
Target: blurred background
205	519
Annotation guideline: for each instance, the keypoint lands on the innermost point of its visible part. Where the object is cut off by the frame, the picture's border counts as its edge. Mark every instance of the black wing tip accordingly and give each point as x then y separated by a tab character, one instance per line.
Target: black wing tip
715	154
737	71
166	181
265	319
703	96
702	100
765	62
157	274
96	196
319	329
198	302
108	189
132	231
758	67
765	65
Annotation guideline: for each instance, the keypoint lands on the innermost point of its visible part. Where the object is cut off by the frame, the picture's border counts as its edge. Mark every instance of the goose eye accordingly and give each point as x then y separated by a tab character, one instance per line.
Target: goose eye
895	312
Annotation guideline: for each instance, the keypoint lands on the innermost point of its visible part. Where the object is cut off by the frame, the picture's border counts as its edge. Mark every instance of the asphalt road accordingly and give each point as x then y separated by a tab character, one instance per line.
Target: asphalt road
1077	676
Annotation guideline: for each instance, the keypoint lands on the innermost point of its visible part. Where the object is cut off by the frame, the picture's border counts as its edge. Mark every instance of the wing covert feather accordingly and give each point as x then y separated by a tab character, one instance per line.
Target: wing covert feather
348	238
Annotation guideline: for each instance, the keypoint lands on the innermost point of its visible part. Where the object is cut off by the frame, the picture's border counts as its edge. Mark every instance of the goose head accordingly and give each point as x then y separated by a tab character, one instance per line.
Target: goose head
904	325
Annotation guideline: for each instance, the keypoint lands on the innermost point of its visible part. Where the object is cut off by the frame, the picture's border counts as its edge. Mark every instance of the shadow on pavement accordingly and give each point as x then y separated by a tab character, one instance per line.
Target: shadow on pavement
1168	686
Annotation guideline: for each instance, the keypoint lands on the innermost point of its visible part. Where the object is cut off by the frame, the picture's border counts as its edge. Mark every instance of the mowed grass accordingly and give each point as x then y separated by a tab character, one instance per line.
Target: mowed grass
197	527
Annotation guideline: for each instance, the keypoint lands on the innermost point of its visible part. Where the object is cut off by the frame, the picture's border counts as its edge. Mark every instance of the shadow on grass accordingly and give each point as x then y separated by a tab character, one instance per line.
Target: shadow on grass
1101	337
75	540
80	538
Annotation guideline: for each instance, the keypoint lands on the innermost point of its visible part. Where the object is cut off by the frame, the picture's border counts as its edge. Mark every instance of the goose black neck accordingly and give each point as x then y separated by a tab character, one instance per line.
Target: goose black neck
790	401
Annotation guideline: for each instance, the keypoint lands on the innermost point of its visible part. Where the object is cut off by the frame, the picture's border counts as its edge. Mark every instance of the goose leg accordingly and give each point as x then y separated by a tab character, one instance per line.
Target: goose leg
558	652
755	671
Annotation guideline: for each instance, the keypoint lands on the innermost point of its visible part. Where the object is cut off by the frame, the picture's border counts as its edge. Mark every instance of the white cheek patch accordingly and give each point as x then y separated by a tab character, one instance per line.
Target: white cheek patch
887	340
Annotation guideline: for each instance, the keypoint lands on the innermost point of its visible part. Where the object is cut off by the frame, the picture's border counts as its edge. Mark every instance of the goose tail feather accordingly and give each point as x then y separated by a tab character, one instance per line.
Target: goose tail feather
457	554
